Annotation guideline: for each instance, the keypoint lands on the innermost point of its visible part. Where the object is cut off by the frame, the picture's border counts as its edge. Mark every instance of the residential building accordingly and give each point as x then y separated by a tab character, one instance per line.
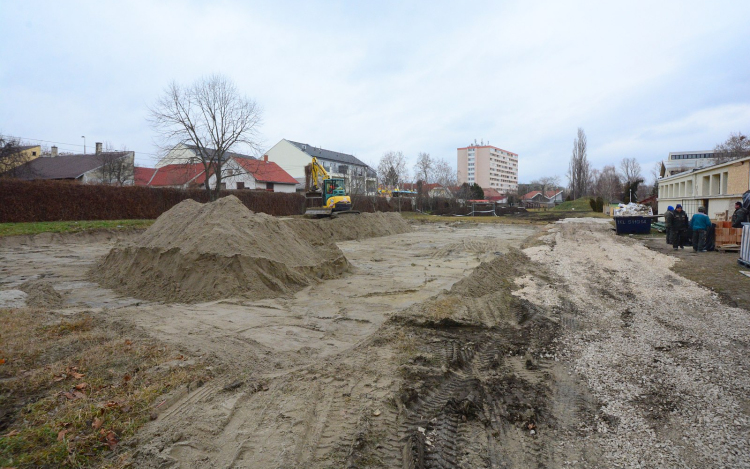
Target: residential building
681	161
488	166
178	176
294	156
98	168
494	196
715	187
189	154
548	198
238	173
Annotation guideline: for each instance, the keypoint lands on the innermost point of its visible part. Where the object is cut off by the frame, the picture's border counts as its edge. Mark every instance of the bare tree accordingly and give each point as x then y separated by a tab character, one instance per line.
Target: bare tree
392	169
579	169
608	184
213	116
630	169
735	147
11	156
444	174
117	166
424	168
546	183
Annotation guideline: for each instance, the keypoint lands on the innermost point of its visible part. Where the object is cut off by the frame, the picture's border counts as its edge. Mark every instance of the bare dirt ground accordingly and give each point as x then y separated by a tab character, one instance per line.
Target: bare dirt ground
444	347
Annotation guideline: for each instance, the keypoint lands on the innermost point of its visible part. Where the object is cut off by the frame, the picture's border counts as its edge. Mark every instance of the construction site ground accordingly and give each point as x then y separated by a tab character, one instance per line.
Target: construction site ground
461	344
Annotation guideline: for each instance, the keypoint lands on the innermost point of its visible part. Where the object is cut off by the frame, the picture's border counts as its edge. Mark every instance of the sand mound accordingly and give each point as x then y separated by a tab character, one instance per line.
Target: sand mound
41	294
482	299
200	252
365	225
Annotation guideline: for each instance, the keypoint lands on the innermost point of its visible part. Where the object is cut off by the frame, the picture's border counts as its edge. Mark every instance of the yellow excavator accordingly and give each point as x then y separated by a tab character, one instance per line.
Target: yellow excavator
331	190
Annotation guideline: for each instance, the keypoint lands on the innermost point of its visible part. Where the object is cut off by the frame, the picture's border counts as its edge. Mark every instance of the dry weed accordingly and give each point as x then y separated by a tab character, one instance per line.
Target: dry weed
73	389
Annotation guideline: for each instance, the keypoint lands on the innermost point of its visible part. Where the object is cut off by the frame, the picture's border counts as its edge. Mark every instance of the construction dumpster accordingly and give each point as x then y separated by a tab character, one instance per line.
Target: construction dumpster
633	225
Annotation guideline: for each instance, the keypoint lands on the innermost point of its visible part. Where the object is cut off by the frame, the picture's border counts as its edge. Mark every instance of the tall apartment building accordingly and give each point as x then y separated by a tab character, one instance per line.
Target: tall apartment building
488	166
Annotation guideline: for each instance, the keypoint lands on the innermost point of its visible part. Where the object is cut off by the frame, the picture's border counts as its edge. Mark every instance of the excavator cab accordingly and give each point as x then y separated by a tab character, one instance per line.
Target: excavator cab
334	195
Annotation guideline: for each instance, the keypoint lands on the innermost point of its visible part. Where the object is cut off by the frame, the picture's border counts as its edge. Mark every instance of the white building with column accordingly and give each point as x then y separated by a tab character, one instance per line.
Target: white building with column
715	187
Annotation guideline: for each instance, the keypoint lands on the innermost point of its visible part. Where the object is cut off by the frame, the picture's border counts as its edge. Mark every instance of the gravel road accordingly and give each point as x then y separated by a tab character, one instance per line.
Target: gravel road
665	359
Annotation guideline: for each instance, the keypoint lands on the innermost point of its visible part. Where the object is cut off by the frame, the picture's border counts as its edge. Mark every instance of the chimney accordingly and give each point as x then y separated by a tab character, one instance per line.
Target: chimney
54	151
265	158
98	148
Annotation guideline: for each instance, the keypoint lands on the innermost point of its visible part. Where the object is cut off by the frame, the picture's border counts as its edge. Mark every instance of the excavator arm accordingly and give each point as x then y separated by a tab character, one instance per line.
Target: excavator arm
318	175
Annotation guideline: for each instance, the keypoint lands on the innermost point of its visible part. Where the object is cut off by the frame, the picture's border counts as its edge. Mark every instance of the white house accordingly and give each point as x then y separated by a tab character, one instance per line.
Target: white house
715	187
188	154
294	156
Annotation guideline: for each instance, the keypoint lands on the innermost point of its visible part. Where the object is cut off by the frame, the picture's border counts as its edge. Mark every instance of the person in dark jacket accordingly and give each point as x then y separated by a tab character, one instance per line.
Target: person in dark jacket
680	225
739	215
668	216
700	223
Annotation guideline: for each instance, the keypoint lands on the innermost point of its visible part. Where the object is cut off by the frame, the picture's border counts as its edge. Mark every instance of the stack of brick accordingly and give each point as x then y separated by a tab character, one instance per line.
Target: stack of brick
726	235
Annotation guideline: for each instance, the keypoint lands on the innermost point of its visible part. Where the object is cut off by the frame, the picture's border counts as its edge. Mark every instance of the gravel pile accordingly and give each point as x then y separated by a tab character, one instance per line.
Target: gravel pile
665	359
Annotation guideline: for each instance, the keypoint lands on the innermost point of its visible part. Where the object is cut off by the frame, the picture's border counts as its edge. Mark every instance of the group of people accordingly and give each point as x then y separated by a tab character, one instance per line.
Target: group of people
678	225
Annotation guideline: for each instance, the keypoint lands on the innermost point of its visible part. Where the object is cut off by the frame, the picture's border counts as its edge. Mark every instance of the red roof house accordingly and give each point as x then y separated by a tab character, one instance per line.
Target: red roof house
237	173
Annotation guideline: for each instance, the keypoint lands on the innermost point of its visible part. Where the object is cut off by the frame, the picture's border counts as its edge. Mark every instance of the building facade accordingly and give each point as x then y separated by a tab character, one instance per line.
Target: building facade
681	161
294	156
488	166
715	187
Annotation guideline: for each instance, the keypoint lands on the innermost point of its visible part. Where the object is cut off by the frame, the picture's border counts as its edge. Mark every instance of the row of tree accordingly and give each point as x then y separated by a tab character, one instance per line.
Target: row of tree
626	183
393	170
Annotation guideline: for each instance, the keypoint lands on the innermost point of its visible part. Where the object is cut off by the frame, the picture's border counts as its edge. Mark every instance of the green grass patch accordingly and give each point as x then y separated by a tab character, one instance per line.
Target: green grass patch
578	205
15	229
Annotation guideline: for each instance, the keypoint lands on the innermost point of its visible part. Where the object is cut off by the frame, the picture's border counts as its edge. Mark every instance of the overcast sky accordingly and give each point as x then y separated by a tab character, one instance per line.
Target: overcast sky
641	78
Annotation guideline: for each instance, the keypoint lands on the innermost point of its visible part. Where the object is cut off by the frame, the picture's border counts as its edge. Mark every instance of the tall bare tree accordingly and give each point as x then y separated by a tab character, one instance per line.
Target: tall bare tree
444	174
424	168
392	169
212	115
579	169
735	147
630	170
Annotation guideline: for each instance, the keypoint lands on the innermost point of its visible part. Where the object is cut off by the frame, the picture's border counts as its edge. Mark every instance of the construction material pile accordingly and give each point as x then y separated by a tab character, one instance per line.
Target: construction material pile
633	210
201	252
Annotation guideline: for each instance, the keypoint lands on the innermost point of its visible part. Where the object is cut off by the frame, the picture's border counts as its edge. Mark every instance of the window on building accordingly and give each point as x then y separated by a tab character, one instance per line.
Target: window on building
240	185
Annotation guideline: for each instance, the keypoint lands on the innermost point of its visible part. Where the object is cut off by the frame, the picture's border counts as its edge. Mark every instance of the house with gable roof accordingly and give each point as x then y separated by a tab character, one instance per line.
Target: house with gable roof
238	173
294	156
548	198
101	167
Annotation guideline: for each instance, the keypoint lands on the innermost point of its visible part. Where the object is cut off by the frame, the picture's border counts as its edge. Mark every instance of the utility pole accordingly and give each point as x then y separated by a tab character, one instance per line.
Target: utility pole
84	143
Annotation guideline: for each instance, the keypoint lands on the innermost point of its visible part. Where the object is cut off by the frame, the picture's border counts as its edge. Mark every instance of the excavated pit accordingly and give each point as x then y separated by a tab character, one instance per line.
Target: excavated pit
201	252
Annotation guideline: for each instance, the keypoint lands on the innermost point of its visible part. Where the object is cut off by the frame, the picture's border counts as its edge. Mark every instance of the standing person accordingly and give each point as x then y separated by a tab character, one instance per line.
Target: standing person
739	215
668	217
680	225
700	223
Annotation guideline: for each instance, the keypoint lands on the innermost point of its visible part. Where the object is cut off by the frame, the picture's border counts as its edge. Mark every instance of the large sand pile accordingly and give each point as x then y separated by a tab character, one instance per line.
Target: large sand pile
198	252
201	252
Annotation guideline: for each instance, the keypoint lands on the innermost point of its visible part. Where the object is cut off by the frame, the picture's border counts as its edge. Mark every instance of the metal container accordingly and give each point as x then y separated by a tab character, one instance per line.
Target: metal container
633	225
745	243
